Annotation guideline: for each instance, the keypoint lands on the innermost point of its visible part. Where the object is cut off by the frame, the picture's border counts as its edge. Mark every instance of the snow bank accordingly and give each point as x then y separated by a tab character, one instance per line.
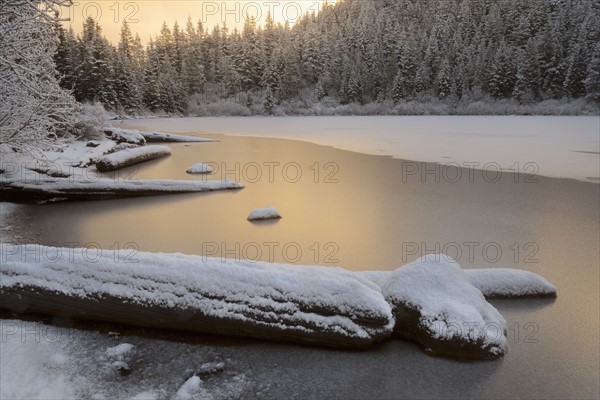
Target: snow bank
436	305
318	305
100	188
200	168
125	158
263	214
509	283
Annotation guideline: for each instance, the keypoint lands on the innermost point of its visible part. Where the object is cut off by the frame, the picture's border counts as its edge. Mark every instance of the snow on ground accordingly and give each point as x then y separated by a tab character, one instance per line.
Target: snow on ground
32	368
563	147
40	361
263	214
127	157
310	301
200	168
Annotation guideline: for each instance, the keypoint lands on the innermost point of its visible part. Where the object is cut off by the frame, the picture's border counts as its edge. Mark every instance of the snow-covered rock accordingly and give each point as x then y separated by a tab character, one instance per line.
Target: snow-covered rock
117	358
264	214
170	138
318	305
127	157
200	168
437	306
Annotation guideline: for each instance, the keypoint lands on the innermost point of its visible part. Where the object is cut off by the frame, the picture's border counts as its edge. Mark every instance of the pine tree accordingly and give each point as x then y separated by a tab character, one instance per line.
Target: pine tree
592	82
269	102
503	73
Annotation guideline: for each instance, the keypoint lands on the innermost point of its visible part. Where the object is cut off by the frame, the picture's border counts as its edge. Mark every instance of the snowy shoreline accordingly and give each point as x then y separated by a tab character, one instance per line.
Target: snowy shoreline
71	171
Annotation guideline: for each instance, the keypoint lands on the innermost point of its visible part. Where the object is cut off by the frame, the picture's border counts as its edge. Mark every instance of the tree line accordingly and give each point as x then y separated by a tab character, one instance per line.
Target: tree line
356	51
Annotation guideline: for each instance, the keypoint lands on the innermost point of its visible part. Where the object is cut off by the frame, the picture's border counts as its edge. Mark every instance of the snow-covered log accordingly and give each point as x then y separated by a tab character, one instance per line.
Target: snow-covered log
315	305
125	136
102	188
171	138
128	157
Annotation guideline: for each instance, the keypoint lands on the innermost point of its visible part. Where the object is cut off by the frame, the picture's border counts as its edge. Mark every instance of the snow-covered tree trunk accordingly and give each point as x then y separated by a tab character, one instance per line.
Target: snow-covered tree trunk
34	109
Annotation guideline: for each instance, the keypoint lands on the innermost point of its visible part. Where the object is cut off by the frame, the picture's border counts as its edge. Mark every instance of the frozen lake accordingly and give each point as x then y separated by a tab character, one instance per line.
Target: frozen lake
362	212
563	147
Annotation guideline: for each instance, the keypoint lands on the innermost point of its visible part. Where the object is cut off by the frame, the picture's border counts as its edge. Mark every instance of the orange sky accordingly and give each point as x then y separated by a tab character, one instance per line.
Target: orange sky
146	17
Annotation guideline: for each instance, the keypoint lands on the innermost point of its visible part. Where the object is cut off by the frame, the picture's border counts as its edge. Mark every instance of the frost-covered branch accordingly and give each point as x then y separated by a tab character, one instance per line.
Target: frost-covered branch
34	109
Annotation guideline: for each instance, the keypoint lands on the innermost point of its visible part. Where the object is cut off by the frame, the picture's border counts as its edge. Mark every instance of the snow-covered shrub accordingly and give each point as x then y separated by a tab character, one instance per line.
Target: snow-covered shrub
90	121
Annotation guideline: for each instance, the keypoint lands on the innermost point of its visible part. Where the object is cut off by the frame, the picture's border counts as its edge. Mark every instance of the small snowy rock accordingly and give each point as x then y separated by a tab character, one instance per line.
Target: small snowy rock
264	214
200	168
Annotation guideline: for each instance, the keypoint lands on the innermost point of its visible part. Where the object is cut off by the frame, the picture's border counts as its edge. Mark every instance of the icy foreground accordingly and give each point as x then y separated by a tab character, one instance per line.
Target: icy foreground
430	300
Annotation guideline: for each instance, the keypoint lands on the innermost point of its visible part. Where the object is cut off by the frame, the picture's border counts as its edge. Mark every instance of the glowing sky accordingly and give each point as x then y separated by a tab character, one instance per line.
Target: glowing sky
146	17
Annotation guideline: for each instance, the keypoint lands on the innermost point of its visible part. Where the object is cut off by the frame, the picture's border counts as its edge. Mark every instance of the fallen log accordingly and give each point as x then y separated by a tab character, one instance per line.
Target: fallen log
128	157
313	305
68	189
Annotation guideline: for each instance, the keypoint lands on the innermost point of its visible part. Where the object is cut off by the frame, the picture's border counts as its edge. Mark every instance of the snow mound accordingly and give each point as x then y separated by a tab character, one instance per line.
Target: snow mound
509	283
125	136
127	157
200	168
263	214
170	138
437	306
318	305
